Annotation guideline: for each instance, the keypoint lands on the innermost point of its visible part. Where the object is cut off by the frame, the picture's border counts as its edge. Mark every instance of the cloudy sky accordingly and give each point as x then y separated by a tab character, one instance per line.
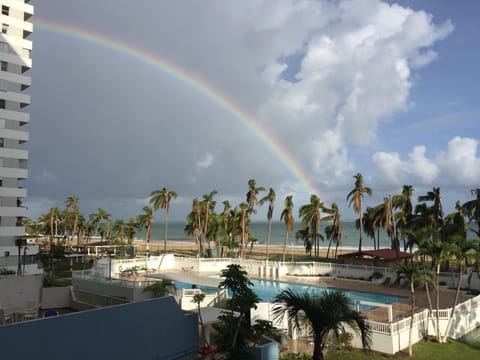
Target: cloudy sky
384	88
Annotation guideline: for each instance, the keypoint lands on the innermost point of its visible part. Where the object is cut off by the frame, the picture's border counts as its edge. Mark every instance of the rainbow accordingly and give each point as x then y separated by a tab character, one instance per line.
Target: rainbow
200	86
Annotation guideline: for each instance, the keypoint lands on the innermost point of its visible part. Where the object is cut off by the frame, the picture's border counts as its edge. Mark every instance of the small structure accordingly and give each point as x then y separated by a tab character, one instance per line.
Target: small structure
377	256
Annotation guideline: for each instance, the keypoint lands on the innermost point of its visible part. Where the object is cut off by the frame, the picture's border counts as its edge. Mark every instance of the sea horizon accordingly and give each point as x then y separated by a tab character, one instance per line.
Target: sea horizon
259	231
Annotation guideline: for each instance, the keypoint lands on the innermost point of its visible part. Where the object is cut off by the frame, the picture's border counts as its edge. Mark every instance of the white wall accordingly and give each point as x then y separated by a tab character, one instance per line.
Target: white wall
16	291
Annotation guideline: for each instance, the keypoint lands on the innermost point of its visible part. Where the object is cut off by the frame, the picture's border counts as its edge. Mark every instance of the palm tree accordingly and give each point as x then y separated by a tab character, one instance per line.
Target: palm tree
197	299
72	202
311	217
439	252
287	217
305	235
334	231
252	193
270	197
461	250
208	206
120	227
243	226
355	197
414	273
161	200
98	218
404	203
193	224
146	220
472	209
322	315
436	211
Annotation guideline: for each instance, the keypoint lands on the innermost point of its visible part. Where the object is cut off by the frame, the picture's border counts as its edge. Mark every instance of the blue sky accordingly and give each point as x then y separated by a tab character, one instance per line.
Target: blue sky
387	89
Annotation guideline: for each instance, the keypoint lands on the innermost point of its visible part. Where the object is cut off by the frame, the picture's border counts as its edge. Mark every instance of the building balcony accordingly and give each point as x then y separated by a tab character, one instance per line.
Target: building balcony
14	154
13	192
13	211
15	173
12	231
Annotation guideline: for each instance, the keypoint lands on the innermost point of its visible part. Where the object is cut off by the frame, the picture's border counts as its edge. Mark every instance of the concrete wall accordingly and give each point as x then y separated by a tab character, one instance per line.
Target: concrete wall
16	291
150	329
55	297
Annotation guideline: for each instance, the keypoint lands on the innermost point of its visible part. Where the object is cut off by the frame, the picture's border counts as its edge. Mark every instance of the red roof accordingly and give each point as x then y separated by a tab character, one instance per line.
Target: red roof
381	254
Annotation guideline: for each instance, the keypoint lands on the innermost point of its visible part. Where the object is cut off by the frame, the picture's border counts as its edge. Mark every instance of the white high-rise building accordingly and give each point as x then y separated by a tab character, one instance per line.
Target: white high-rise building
15	48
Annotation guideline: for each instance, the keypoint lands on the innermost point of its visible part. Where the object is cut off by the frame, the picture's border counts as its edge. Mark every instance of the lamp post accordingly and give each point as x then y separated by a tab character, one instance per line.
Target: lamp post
19	243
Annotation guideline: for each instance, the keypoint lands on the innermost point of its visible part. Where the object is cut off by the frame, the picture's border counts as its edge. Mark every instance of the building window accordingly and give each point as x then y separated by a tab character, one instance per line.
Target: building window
2	103
4	65
5	10
3	85
1	142
4	28
3	46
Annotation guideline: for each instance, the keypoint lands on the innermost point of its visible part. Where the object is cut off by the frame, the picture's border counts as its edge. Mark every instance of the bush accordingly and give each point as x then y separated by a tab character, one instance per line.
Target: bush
295	356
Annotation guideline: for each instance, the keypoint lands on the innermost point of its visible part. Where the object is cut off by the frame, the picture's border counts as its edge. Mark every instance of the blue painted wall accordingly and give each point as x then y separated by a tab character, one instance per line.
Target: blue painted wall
150	329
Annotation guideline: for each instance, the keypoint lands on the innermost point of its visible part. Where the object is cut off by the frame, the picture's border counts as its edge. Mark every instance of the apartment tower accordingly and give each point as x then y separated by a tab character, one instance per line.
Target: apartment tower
15	62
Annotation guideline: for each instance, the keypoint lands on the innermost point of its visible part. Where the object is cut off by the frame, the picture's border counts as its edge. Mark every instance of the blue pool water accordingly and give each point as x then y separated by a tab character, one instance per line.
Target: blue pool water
266	290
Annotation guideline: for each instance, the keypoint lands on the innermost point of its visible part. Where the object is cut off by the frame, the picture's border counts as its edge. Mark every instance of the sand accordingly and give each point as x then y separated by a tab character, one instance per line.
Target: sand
257	252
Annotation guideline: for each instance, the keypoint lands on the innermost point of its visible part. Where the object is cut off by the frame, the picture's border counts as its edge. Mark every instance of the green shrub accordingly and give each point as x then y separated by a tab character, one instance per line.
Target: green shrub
295	356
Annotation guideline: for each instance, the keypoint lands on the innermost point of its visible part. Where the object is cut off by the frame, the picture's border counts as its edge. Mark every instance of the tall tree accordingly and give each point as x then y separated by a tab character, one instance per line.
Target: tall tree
244	228
334	231
310	214
208	206
436	211
252	193
270	197
414	273
439	252
404	203
72	203
472	209
161	200
98	217
146	220
321	315
461	249
287	217
232	339
355	198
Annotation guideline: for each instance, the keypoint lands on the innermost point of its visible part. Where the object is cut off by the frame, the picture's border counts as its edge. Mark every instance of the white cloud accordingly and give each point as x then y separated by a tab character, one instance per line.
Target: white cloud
460	162
458	165
205	161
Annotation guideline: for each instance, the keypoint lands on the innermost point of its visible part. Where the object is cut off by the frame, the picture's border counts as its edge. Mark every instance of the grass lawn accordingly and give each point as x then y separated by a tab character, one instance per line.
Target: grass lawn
421	351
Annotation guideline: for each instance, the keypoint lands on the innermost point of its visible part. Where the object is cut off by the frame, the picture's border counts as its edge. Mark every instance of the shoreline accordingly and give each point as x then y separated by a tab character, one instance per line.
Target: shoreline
186	247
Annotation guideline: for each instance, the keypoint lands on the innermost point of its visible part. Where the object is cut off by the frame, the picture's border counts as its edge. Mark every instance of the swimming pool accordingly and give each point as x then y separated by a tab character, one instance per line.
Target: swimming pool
266	290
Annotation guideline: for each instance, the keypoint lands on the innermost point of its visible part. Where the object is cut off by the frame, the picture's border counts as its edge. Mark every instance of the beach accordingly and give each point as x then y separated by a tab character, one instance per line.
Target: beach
186	248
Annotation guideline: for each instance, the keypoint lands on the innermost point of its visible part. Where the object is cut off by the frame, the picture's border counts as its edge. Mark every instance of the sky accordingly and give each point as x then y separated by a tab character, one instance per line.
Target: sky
130	97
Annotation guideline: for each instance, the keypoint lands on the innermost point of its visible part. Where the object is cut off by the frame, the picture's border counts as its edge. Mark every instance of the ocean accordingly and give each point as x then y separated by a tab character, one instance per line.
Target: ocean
277	237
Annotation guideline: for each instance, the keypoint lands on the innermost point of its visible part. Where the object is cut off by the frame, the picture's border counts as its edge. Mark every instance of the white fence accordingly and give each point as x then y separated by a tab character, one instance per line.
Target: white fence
392	337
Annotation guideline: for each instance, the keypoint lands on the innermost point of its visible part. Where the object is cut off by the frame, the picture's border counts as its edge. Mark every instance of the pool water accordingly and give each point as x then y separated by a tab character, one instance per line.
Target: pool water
266	290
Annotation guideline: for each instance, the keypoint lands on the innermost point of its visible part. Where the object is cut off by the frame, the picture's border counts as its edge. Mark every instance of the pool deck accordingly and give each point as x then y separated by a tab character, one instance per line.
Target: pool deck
401	309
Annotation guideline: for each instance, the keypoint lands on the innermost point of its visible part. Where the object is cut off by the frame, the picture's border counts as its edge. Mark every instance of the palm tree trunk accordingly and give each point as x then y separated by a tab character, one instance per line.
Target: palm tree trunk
166	231
430	308
285	244
268	237
329	244
457	293
437	295
412	315
317	348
